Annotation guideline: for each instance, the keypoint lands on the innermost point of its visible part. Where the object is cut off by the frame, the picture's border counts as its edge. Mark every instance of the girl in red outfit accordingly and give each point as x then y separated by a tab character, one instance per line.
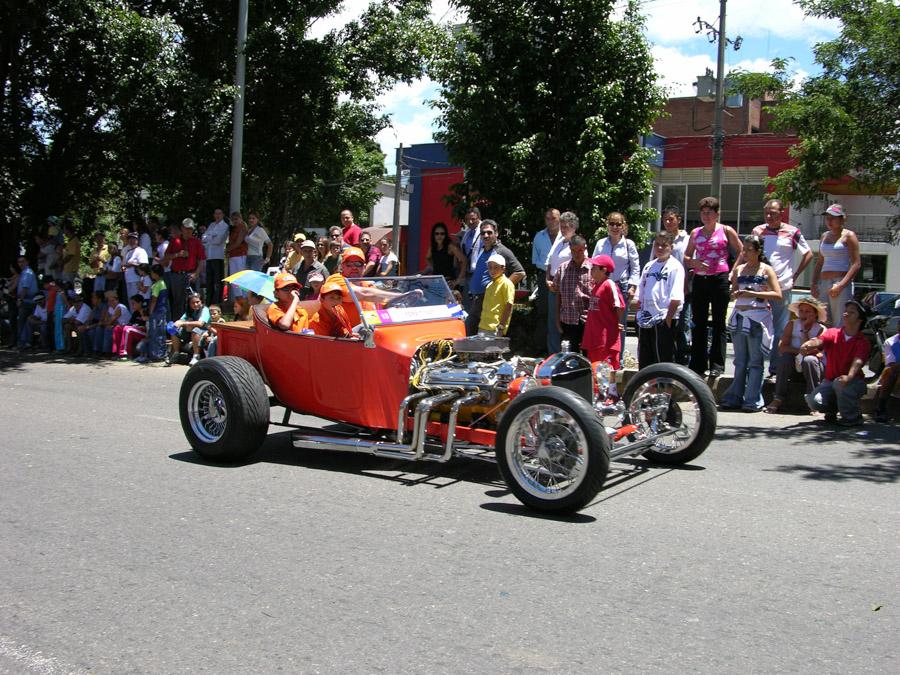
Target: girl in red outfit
605	315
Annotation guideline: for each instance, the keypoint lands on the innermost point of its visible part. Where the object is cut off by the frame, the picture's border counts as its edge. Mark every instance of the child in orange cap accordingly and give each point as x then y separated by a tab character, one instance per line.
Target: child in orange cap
331	320
286	312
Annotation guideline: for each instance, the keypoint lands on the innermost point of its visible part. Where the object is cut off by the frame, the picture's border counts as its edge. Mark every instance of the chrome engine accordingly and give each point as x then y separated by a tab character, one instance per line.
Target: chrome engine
474	366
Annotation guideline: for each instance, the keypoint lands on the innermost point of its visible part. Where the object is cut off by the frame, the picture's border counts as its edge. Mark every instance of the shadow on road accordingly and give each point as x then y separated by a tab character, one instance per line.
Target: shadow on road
278	450
882	447
11	359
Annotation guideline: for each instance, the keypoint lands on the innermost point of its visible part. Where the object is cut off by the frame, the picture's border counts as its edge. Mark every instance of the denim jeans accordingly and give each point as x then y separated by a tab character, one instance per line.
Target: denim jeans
155	344
254	262
779	321
683	333
835	306
746	388
831	395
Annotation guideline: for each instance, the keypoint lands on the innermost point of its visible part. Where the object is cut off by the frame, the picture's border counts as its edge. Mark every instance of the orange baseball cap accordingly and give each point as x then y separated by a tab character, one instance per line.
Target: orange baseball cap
285	279
353	252
330	287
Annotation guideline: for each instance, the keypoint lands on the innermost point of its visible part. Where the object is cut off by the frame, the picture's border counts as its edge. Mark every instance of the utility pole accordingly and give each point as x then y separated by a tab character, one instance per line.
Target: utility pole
717	34
718	141
240	83
395	243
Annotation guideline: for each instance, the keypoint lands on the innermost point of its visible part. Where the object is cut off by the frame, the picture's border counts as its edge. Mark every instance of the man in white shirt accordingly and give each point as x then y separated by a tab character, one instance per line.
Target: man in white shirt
136	256
75	321
658	299
540	249
780	242
214	242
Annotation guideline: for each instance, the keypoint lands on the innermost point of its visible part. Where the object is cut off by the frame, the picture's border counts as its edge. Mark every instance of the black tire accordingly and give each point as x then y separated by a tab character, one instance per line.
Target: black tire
685	380
575	418
224	408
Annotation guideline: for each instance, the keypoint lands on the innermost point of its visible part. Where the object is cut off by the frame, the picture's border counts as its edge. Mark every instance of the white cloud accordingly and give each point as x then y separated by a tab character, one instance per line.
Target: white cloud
415	94
678	71
671	22
441	11
418	129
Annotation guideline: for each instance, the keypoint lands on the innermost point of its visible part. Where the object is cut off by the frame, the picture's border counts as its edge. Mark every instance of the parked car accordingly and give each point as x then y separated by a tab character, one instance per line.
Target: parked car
414	387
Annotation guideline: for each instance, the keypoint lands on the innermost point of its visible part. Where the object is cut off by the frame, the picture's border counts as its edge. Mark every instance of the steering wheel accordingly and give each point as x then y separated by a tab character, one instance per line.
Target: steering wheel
408	299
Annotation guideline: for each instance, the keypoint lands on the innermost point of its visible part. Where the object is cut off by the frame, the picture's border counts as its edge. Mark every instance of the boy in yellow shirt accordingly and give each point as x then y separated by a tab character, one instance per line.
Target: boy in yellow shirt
498	299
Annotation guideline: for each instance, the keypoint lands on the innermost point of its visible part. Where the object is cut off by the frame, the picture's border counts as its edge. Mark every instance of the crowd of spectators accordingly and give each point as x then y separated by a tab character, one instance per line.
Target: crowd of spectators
143	296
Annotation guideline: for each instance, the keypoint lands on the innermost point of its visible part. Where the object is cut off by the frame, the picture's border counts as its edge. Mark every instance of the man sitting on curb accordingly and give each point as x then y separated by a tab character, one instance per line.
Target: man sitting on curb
846	350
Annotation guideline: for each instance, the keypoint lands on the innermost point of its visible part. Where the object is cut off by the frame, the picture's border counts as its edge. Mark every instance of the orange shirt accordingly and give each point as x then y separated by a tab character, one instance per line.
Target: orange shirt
347	302
335	324
274	312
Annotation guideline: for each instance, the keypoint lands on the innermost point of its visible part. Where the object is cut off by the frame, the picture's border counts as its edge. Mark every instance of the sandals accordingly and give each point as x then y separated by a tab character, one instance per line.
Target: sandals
773	407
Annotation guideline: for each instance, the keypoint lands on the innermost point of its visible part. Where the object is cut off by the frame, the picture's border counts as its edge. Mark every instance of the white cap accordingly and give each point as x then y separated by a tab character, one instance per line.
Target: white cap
498	259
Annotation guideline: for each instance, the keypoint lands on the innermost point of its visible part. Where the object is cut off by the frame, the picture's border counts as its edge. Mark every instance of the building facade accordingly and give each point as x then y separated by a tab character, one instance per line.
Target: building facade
752	155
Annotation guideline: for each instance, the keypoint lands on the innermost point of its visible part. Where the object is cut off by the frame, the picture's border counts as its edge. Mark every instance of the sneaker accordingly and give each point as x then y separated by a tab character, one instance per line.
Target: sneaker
167	361
123	358
141	359
852	422
194	361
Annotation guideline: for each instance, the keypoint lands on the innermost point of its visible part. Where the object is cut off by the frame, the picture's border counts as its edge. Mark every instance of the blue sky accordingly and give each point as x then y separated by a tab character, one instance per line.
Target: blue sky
769	28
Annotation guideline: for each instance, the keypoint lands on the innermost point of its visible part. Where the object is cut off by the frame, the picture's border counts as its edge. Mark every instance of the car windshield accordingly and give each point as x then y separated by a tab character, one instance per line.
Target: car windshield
419	298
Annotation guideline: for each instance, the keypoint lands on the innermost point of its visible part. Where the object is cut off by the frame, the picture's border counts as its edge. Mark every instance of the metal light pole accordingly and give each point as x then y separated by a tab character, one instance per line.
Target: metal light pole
240	81
395	245
718	140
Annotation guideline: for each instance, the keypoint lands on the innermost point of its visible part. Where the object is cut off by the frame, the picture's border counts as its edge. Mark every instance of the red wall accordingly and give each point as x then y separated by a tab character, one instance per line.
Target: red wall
436	184
694	152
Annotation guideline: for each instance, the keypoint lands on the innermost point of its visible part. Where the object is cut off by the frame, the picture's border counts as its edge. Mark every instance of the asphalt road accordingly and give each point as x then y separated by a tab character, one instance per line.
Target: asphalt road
121	551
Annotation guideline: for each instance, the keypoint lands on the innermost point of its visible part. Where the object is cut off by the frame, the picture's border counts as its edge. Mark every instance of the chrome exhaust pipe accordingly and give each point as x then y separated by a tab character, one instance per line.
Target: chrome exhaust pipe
402	414
315	442
420	423
451	423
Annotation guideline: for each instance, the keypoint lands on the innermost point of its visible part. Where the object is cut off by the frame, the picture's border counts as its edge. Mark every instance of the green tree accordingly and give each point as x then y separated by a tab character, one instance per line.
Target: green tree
847	116
112	108
544	103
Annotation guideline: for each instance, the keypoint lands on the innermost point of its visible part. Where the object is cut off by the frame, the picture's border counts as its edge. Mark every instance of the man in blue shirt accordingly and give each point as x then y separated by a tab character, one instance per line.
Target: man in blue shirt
26	289
480	278
540	251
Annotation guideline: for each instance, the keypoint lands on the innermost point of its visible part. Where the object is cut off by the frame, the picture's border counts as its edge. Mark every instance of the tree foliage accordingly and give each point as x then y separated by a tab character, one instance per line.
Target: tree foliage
111	108
846	117
544	103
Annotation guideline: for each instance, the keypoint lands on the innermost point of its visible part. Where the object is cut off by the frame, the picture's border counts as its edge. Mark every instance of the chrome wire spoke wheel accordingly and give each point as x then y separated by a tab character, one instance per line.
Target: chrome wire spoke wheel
547	451
207	411
663	404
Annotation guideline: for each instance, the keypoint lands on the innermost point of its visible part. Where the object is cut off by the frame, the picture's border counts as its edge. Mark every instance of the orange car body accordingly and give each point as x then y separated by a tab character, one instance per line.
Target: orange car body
336	378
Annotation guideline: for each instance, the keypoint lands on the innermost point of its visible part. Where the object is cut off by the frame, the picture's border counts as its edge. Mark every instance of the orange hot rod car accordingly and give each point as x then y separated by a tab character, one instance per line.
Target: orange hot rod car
411	385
